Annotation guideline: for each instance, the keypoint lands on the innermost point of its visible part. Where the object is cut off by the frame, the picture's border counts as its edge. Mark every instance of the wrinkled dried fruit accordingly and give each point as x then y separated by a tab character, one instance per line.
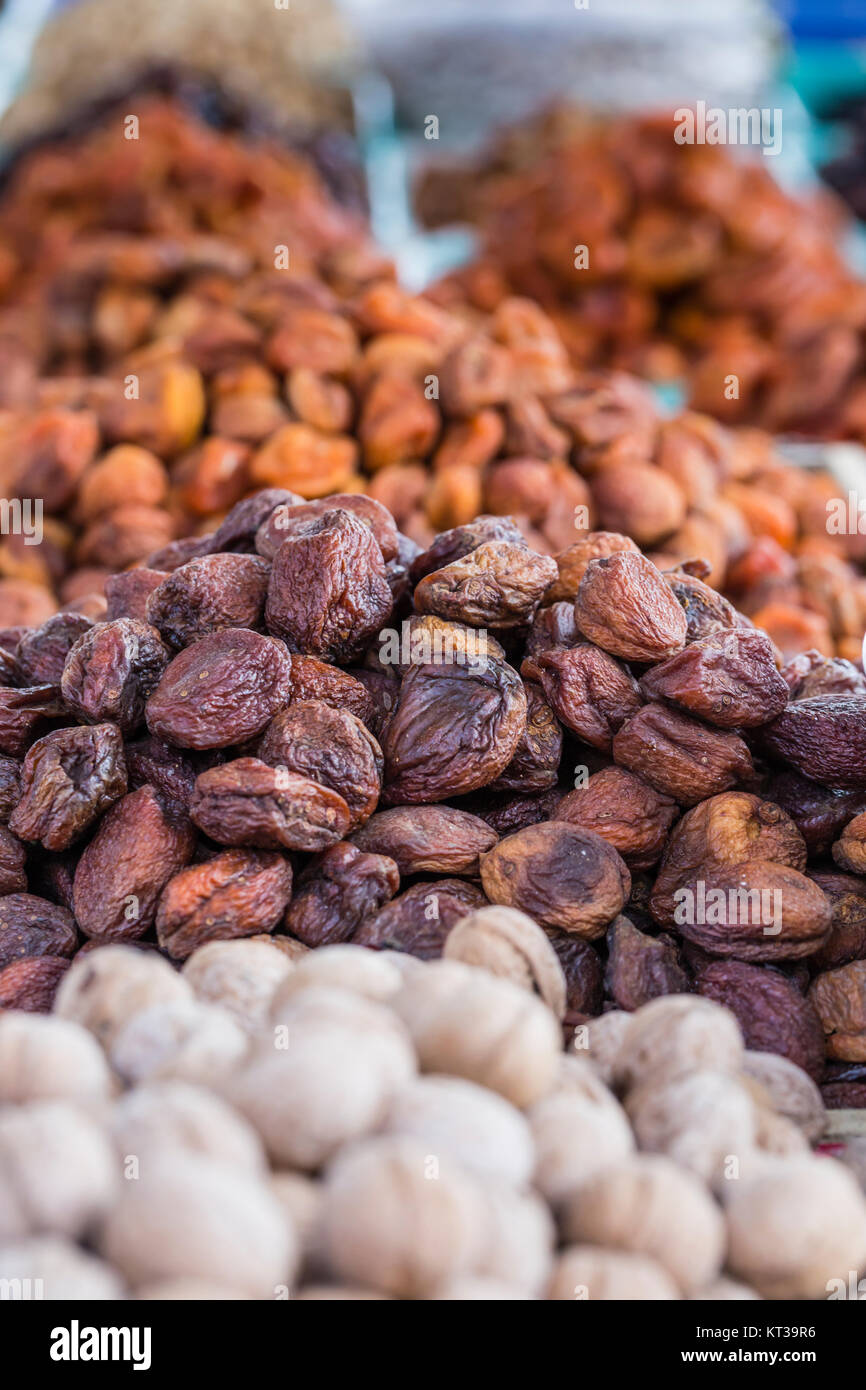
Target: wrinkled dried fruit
427	839
755	911
237	893
122	871
30	926
204	595
641	967
679	756
824	738
840	998
420	919
337	892
728	678
591	692
455	728
32	983
68	779
626	811
328	593
222	690
624	605
328	746
498	585
772	1013
560	875
246	802
111	672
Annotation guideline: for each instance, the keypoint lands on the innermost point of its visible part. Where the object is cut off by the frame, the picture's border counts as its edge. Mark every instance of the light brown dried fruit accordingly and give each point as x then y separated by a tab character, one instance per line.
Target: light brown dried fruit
626	811
560	875
624	605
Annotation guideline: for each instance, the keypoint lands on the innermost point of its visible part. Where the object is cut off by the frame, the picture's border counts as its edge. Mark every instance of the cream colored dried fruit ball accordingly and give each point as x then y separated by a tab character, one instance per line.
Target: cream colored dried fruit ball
346	967
469	1123
53	1268
600	1040
675	1035
477	1290
724	1290
465	1022
182	1039
301	1199
340	1293
43	1057
241	976
510	944
794	1227
58	1170
324	1077
706	1120
187	1216
399	1221
106	987
519	1241
650	1206
183	1116
789	1089
183	1290
586	1273
575	1136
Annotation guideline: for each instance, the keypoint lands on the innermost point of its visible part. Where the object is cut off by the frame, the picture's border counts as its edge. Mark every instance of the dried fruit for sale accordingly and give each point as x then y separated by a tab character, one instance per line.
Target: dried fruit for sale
223	689
728	678
679	756
338	892
772	1013
455	729
561	875
246	802
626	811
511	945
68	779
427	839
626	608
138	847
237	893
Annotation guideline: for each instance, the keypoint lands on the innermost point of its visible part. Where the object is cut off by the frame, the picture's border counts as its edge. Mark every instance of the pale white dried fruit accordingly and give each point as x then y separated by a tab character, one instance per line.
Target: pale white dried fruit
339	1293
723	1290
705	1120
466	1122
790	1090
241	976
183	1116
584	1272
510	944
775	1134
391	1223
600	1040
43	1057
795	1227
354	968
465	1022
106	987
650	1206
183	1290
301	1199
519	1241
324	1077
187	1216
472	1290
58	1170
49	1267
674	1035
181	1039
575	1136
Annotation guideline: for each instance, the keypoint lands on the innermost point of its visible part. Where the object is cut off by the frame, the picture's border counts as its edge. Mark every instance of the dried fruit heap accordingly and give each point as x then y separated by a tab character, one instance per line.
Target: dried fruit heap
663	1160
189	316
698	264
308	730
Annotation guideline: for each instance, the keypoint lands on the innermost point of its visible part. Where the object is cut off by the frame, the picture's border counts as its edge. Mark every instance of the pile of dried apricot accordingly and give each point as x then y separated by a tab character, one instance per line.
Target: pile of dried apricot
190	316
